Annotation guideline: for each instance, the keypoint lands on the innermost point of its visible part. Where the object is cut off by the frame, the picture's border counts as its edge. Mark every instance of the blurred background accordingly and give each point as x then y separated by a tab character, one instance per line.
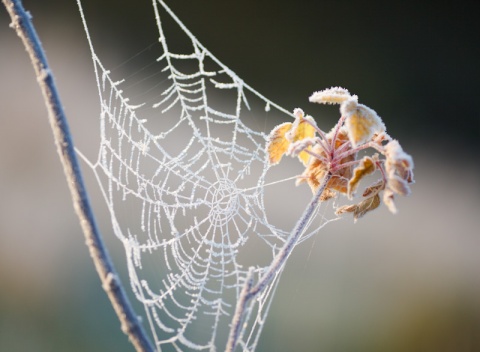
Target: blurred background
409	282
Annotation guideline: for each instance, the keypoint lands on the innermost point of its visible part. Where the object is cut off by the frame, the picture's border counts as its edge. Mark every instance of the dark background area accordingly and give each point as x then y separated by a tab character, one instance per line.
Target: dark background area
415	62
389	283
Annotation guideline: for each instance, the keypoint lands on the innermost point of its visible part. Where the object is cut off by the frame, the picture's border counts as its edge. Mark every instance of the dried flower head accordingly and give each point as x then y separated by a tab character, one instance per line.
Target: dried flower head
336	153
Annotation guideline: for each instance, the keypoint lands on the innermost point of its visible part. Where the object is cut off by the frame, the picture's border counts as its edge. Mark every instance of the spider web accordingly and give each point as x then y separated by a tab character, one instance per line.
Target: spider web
185	190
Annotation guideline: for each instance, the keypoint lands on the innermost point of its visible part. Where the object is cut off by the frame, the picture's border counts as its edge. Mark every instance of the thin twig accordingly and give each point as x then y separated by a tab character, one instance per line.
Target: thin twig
21	22
337	130
249	291
323	140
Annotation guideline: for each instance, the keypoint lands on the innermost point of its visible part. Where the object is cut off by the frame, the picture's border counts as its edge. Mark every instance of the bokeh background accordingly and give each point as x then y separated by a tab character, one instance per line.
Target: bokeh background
409	282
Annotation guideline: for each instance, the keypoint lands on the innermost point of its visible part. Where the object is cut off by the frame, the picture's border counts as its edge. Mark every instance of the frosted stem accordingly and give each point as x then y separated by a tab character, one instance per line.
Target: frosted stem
249	292
245	296
21	22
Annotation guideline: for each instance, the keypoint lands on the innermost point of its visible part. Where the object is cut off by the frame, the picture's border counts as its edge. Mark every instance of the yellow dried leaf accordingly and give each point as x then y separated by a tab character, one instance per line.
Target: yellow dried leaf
362	122
277	142
338	183
359	128
366	167
303	130
313	174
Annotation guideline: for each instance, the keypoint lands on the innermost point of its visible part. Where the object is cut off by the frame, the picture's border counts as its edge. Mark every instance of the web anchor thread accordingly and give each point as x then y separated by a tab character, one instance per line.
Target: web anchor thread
249	290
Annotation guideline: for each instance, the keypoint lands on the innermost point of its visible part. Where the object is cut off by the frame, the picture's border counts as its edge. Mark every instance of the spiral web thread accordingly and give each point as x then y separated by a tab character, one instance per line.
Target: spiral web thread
195	188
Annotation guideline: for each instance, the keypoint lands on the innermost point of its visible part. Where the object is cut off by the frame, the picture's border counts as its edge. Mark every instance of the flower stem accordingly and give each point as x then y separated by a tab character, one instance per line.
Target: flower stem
250	291
337	130
323	141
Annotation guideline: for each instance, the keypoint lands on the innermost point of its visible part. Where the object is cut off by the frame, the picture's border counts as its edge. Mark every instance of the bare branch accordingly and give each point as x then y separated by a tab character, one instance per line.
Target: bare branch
21	22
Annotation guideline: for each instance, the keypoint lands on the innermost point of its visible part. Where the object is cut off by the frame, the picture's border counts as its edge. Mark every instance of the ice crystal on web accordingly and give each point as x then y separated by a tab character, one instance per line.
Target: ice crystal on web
195	190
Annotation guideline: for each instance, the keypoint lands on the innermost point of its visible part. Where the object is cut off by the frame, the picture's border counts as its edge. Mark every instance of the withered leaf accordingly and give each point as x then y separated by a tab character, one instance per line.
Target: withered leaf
278	144
327	194
366	167
374	188
362	123
303	130
313	173
338	183
361	208
366	205
398	185
282	136
346	209
398	162
388	199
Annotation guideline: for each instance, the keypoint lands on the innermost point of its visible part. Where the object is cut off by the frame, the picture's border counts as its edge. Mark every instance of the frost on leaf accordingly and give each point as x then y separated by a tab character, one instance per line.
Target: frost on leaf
374	189
361	121
398	185
284	135
398	162
334	95
361	208
364	168
335	154
277	143
388	199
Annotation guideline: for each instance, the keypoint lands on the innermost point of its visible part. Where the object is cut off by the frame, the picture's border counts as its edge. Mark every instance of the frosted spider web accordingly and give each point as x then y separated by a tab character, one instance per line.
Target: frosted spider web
186	192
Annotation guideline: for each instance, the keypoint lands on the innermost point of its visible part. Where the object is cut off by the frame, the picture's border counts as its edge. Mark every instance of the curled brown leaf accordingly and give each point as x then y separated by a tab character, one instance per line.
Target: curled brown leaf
361	208
374	188
364	168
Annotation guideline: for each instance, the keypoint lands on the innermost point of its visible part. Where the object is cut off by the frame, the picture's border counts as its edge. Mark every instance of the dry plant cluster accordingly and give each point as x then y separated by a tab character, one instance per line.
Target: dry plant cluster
336	154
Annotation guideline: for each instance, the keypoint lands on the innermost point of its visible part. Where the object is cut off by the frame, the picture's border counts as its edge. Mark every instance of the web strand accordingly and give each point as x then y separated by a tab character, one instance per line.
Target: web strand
198	228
